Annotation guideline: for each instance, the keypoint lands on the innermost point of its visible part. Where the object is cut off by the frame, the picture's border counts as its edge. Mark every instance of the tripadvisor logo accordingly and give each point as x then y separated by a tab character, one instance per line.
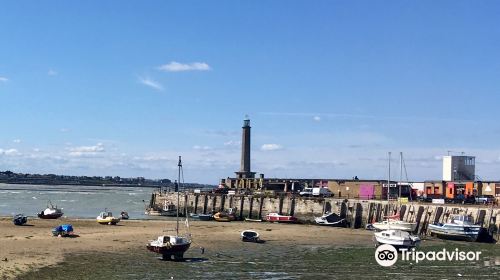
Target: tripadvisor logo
387	255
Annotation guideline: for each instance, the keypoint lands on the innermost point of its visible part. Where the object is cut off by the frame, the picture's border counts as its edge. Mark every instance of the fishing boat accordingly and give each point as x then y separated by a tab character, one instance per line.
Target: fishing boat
395	224
201	217
330	219
63	230
461	227
168	210
124	215
175	245
250	236
51	212
277	218
19	219
225	216
397	238
107	218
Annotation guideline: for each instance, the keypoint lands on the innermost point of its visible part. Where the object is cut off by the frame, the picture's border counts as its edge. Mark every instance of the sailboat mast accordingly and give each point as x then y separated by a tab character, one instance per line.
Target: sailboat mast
389	178
400	172
179	165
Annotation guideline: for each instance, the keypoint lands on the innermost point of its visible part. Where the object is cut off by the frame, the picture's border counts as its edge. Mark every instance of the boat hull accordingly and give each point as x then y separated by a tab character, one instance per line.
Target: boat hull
409	227
281	219
112	221
49	216
168	252
455	232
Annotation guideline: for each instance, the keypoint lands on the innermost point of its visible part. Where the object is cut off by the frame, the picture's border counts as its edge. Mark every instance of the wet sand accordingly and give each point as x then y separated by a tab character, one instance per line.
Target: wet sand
24	248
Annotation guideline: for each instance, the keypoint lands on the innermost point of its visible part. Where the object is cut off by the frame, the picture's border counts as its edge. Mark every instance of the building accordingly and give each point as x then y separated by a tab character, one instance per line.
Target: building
459	168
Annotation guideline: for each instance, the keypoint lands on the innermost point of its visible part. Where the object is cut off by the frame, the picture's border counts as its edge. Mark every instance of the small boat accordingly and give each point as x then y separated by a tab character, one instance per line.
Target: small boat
397	238
170	245
124	215
63	230
330	219
395	224
249	236
168	210
225	216
201	217
173	245
19	219
277	218
106	218
253	220
460	227
51	212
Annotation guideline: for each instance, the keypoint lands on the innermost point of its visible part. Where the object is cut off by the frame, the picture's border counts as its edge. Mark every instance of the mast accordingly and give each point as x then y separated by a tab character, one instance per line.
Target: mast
400	173
389	179
178	190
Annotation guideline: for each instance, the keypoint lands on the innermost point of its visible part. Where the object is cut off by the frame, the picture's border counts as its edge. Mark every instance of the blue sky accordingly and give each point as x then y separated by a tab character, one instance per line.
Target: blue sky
122	87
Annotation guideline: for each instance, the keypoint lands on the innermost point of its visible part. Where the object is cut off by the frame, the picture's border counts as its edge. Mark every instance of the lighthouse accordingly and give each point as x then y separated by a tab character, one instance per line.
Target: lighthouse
245	152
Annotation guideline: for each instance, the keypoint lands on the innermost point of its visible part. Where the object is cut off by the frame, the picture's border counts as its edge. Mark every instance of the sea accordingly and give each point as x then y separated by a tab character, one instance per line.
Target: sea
76	201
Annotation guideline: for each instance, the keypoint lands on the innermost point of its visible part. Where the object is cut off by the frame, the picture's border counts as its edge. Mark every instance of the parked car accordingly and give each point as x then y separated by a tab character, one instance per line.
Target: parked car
323	192
471	199
306	192
485	199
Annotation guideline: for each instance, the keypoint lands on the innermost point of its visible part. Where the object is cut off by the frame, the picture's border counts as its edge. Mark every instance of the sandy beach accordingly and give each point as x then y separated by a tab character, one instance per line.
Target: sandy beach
32	246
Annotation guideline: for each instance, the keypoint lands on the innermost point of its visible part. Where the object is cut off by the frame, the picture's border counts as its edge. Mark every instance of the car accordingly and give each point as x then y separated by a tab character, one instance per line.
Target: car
485	199
471	199
323	192
306	192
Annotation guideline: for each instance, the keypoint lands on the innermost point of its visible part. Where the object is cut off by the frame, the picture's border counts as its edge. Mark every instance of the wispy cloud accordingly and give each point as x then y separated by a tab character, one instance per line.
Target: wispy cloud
9	152
151	83
3	79
271	147
317	118
17	141
203	148
86	150
52	72
179	67
358	116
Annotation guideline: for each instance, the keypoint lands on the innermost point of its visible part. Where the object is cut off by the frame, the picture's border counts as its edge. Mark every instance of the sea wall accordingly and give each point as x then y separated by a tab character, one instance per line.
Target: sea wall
357	212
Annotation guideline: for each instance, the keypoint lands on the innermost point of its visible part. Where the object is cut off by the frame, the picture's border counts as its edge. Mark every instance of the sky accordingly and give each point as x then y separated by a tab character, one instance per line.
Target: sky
122	88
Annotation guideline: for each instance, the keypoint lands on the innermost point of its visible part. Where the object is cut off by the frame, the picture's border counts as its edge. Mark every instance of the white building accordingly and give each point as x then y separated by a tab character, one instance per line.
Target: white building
459	168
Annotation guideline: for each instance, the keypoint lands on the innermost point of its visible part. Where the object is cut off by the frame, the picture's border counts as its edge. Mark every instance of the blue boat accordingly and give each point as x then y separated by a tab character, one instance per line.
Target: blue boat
63	230
20	219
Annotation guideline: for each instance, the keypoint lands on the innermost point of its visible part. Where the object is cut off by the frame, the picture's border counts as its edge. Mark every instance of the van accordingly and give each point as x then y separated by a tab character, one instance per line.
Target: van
324	192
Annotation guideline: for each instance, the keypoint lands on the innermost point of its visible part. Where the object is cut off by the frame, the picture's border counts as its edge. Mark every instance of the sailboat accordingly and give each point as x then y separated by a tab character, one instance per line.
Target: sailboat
175	245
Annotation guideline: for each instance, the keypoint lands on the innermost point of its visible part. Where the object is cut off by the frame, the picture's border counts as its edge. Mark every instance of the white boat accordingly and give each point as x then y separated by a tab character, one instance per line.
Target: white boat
168	209
250	236
107	218
330	219
460	227
174	245
397	238
51	212
396	225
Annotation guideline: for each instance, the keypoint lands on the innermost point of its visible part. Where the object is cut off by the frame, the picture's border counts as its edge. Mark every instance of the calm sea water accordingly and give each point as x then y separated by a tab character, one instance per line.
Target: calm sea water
76	201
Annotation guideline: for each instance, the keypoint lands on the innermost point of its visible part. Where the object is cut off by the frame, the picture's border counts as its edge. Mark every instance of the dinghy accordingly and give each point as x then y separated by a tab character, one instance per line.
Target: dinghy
20	220
330	219
397	238
250	236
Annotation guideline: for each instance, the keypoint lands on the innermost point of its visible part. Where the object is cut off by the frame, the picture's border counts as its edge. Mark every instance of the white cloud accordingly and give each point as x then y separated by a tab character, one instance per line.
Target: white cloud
17	141
86	150
64	129
232	143
3	79
271	147
9	152
151	83
204	148
179	67
317	118
52	72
